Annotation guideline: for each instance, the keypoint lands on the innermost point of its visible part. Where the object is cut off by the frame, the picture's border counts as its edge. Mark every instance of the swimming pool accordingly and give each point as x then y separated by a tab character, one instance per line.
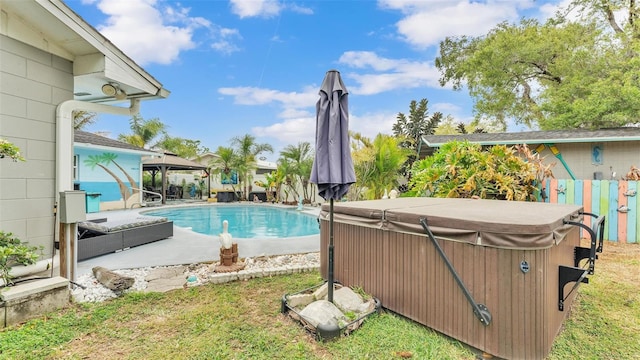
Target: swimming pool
245	221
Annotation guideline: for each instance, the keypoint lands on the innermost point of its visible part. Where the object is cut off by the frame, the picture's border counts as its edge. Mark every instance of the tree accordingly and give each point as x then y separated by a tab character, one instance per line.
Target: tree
411	129
246	148
224	165
300	161
449	127
144	131
558	75
185	148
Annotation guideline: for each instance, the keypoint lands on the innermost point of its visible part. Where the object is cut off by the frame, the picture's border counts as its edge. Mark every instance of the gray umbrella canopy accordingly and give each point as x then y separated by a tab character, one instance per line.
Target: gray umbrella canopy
332	167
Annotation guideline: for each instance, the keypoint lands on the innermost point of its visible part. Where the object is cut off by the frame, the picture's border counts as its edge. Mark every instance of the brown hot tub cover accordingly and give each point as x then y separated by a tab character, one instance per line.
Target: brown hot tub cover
496	223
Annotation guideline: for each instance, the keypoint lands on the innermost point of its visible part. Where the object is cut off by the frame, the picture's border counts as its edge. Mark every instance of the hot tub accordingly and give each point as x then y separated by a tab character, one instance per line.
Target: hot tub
496	275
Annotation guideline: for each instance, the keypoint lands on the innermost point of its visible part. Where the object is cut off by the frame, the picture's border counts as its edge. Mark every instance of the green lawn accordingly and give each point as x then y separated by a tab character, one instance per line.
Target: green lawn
242	320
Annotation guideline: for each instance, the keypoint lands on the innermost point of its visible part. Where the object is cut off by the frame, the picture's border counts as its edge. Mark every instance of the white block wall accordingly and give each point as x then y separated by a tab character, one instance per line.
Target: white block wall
32	84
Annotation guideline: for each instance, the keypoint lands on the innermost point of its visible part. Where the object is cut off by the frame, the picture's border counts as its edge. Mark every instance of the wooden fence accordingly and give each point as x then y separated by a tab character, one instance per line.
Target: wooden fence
618	200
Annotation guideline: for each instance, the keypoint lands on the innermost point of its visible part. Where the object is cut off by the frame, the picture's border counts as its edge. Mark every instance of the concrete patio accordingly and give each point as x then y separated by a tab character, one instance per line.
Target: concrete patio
189	247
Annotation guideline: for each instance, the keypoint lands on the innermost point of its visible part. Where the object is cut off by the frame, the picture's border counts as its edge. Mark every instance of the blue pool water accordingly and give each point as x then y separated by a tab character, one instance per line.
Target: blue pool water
245	221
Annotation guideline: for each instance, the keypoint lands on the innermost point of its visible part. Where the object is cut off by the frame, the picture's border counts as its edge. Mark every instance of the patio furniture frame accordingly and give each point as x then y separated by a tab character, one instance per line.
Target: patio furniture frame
95	241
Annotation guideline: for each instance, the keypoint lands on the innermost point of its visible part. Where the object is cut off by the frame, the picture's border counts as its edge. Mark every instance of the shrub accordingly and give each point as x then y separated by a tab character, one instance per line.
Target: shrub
14	252
460	169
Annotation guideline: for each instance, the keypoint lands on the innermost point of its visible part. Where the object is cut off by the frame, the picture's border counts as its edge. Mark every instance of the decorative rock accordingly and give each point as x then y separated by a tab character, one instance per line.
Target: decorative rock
347	300
112	280
299	300
322	291
322	312
166	278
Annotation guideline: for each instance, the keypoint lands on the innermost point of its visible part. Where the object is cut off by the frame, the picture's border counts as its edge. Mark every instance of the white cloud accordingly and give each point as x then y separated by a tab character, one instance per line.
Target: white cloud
140	27
445	108
223	40
265	8
549	10
255	8
260	96
295	130
398	73
372	124
426	23
290	131
300	9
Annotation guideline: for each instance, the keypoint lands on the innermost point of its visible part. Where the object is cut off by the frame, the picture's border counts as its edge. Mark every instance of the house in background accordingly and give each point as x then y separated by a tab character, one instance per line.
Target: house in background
53	63
109	171
578	154
217	184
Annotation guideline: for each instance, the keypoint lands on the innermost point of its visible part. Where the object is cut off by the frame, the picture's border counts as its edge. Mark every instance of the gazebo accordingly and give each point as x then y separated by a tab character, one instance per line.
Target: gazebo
169	161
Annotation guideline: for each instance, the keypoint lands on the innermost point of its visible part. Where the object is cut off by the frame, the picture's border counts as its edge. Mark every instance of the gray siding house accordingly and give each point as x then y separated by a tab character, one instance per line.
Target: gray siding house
52	63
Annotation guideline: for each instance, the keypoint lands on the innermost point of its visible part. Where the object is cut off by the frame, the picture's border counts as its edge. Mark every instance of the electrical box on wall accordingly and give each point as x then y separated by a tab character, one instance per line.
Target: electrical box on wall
72	207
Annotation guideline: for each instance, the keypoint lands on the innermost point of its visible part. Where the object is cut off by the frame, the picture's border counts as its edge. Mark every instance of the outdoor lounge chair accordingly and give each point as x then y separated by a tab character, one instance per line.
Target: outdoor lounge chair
99	238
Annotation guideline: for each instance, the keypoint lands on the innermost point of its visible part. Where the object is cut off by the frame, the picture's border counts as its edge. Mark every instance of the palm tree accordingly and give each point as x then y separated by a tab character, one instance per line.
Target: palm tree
224	164
83	118
111	158
247	149
378	163
287	174
300	159
98	160
144	131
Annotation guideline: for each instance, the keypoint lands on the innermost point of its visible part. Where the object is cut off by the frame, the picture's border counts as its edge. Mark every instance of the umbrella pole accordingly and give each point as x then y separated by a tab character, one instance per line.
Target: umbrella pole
330	270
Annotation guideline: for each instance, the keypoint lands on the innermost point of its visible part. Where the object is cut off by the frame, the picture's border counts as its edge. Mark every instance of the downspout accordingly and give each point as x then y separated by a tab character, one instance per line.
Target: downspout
64	154
64	135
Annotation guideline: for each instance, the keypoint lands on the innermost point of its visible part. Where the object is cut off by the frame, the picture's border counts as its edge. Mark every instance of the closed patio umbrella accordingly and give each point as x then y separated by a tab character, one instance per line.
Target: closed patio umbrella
332	169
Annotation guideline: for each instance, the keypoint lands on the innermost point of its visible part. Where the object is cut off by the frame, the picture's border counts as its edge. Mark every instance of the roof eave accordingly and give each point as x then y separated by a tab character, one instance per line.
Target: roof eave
115	149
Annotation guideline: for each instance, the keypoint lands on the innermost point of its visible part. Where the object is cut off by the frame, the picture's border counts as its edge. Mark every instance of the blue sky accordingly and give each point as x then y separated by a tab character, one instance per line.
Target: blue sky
254	67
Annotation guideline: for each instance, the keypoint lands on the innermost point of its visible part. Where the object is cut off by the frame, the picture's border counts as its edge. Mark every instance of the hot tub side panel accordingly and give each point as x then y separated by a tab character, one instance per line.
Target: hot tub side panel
359	256
409	277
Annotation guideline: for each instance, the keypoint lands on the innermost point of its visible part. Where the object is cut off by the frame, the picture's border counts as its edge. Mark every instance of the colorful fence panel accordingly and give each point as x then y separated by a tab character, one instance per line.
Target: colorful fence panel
618	200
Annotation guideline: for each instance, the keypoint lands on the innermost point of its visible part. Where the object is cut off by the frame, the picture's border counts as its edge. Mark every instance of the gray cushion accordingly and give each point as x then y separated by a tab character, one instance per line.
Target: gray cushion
122	224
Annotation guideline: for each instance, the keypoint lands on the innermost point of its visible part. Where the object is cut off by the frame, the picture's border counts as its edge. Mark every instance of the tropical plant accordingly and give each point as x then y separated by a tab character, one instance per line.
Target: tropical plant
224	165
378	164
14	252
144	131
411	129
10	150
289	180
83	118
460	169
246	149
300	161
272	183
362	153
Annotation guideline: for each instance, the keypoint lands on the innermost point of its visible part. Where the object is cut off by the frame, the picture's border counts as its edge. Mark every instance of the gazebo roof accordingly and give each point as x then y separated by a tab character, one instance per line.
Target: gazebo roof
171	162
